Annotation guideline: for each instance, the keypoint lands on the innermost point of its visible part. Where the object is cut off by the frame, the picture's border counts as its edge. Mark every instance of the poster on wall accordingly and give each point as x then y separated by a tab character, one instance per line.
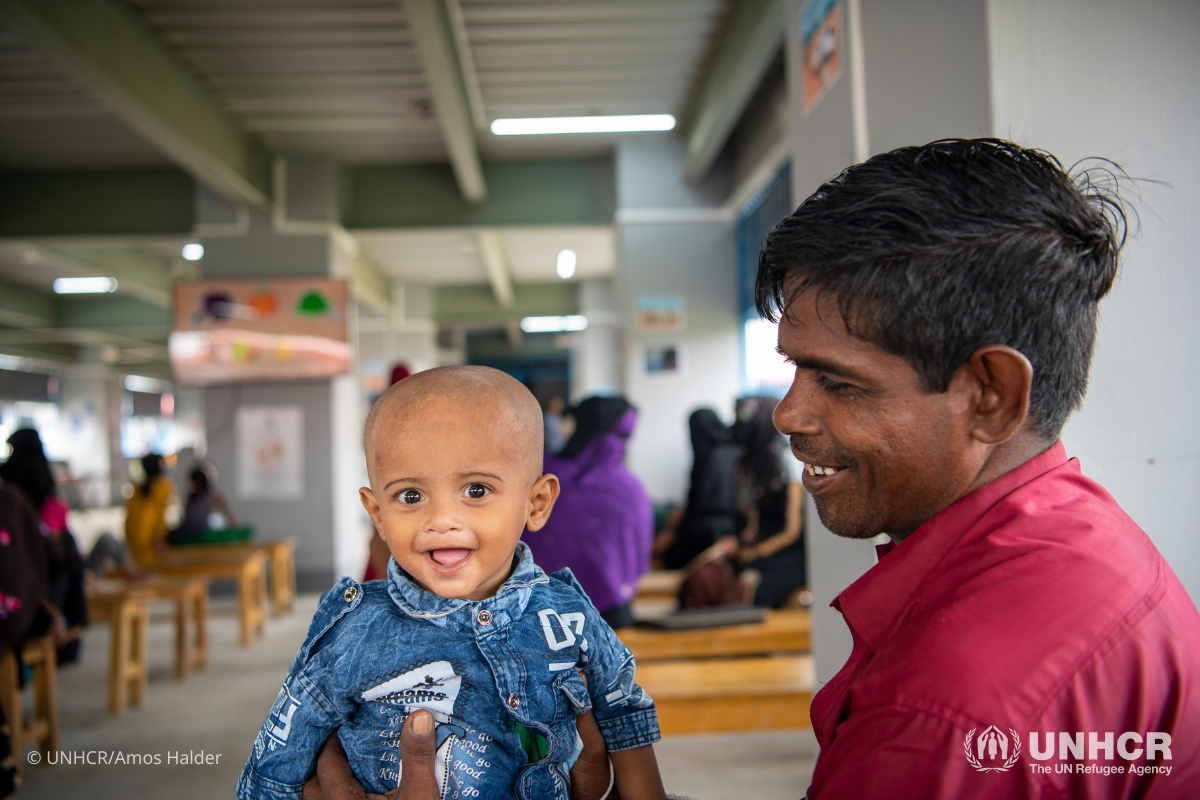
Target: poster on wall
255	330
660	359
661	313
270	442
821	49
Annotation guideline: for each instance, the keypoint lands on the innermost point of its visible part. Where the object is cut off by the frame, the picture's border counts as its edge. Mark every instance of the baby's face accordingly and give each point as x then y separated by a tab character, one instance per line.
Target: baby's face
451	494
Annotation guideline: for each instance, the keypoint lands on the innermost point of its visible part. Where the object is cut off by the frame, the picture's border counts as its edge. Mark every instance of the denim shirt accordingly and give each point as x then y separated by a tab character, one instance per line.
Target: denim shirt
377	651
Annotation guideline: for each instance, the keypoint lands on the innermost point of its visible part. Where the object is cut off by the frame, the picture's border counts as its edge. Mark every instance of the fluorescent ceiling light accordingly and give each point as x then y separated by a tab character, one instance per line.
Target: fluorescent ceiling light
575	322
616	124
566	264
193	251
84	285
140	383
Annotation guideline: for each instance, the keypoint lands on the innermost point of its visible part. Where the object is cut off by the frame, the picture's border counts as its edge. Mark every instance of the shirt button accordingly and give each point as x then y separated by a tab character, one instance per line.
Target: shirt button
484	617
513	701
351	593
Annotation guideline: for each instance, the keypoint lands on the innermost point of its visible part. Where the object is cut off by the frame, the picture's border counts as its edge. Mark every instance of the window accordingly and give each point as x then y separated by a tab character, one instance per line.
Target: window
763	370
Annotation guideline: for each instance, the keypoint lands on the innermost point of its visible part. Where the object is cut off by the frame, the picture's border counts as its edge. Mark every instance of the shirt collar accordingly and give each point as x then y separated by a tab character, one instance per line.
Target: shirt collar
512	595
872	604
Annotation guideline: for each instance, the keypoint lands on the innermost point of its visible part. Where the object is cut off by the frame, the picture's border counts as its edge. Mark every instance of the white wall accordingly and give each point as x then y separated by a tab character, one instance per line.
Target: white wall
675	239
596	356
1122	80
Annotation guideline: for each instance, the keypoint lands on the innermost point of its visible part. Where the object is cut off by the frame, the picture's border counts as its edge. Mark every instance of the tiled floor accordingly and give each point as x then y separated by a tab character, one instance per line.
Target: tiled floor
219	710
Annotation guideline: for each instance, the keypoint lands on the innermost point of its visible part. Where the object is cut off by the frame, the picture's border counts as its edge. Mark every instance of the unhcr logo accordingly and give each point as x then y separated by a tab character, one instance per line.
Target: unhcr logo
990	752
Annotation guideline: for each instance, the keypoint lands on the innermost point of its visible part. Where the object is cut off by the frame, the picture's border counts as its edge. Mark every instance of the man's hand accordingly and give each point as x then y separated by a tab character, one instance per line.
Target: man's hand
336	781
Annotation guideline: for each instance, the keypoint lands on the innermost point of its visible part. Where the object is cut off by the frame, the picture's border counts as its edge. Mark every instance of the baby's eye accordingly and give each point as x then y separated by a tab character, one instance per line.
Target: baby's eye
410	496
476	491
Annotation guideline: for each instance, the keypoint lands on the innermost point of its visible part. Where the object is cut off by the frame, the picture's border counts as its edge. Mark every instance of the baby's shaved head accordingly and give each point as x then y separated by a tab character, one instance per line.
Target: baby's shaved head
500	400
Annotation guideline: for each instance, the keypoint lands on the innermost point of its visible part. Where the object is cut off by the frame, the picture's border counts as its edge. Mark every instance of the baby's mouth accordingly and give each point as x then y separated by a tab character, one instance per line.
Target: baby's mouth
449	556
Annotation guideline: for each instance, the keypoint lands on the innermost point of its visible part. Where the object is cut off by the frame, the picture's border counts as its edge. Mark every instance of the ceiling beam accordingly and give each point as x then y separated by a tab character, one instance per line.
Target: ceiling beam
106	49
466	61
493	252
21	306
475	304
553	192
430	29
751	40
112	313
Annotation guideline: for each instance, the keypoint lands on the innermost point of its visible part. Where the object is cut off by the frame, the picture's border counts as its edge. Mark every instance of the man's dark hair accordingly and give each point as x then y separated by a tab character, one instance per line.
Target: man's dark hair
935	251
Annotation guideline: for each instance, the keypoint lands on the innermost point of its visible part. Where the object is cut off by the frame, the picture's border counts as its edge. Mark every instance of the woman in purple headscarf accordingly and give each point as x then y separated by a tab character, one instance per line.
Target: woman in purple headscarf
602	526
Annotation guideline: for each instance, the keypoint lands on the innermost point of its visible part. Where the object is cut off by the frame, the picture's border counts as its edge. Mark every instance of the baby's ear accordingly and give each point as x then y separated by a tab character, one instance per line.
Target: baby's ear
541	501
370	504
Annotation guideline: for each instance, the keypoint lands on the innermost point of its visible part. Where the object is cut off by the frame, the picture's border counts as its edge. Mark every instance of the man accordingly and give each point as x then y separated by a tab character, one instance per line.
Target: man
1020	635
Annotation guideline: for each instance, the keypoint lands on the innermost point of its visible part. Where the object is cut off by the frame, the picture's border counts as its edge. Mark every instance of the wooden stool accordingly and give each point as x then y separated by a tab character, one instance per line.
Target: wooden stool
190	596
247	568
128	665
43	727
283	574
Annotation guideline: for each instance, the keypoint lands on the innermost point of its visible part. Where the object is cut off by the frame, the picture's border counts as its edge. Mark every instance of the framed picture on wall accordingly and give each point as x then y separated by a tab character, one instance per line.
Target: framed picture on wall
663	358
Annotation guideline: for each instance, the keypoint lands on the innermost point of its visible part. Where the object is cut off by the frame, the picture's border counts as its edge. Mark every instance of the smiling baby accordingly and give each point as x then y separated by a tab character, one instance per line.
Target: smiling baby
466	626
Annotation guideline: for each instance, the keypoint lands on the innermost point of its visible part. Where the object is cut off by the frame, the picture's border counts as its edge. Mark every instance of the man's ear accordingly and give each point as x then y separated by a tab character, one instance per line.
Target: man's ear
541	501
371	505
1003	378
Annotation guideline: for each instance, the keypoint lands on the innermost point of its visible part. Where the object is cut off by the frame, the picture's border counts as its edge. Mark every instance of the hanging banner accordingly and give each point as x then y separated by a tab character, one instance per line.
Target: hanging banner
259	330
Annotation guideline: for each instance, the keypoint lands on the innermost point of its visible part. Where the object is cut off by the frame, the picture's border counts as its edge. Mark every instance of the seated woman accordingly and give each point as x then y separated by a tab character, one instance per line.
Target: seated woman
145	513
203	502
603	524
769	507
709	514
65	605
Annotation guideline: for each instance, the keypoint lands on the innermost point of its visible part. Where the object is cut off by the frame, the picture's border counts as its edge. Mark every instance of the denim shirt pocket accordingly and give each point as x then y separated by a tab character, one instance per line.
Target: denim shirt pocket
574	689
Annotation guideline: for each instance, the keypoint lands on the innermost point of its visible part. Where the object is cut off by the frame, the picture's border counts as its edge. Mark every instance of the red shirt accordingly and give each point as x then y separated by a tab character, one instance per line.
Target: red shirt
1034	604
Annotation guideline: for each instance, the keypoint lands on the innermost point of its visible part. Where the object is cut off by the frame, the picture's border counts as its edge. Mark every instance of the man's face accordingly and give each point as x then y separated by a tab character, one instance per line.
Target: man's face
881	454
450	496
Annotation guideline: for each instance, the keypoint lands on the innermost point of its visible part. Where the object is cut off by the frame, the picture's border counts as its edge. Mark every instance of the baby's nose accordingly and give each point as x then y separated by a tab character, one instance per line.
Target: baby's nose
443	517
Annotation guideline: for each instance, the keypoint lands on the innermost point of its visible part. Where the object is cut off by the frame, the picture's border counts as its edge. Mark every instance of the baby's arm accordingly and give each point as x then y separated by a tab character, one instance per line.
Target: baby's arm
309	708
637	775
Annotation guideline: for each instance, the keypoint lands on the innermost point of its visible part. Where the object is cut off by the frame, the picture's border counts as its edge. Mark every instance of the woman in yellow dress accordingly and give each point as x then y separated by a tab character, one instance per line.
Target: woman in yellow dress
145	513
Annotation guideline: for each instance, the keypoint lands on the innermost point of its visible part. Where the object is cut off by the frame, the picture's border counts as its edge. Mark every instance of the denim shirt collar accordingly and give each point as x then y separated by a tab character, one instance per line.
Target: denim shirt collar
512	596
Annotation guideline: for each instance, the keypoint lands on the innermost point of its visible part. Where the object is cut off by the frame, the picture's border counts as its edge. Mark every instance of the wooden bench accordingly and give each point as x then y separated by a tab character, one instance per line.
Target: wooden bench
737	677
43	727
280	553
126	610
730	694
783	631
247	568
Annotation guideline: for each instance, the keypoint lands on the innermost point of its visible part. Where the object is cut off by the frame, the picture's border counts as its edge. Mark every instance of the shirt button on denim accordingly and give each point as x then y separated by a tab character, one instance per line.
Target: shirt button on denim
351	593
484	616
513	701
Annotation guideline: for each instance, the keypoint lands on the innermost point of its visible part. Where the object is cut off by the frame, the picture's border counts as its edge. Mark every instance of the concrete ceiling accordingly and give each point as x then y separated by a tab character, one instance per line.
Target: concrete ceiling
48	121
342	78
454	256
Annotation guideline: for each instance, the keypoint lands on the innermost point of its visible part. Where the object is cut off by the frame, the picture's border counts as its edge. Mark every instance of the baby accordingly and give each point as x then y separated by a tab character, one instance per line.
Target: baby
466	626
